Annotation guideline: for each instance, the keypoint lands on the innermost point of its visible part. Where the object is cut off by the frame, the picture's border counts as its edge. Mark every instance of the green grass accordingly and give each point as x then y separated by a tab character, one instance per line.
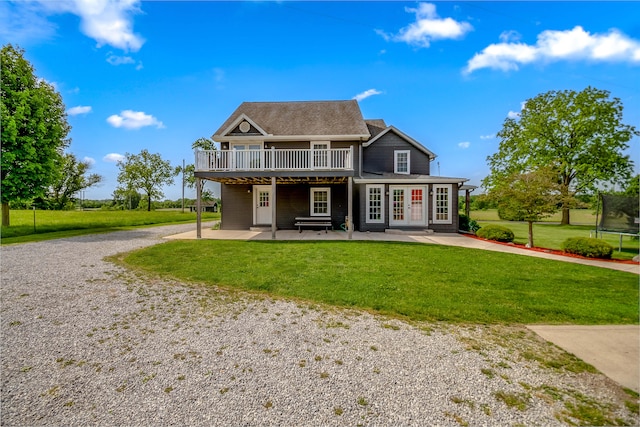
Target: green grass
577	216
58	224
551	235
412	281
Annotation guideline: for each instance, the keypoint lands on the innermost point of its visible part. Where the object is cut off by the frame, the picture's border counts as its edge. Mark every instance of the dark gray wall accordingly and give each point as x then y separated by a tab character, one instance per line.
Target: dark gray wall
378	157
237	203
292	200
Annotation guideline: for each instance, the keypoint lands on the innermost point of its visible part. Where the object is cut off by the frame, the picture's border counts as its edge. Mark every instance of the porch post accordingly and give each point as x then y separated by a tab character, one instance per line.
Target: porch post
467	202
273	208
198	208
350	206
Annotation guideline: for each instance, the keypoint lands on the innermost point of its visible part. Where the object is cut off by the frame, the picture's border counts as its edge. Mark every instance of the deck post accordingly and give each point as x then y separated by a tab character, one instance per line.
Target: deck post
273	208
350	206
198	208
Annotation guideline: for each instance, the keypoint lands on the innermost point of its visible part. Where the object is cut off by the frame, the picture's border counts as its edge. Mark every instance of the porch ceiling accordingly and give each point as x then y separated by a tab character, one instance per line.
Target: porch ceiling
265	180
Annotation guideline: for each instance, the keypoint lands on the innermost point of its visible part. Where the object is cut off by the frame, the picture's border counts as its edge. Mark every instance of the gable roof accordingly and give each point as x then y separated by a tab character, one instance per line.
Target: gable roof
341	119
375	126
404	136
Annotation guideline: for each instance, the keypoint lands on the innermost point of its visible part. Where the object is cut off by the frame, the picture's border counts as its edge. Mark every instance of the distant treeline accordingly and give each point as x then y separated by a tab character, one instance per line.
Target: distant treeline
134	203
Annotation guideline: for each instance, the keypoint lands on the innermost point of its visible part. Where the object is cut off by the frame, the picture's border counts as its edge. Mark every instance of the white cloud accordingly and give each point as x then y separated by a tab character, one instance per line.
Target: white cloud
90	160
129	119
366	94
576	44
108	22
464	144
120	60
113	158
513	114
80	109
491	136
428	27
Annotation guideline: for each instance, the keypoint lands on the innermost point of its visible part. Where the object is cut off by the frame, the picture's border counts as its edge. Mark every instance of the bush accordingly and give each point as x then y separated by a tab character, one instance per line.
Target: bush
496	232
467	224
588	247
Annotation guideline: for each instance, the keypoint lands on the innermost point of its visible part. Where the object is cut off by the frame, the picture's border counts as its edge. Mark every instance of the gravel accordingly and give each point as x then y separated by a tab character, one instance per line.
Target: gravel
86	342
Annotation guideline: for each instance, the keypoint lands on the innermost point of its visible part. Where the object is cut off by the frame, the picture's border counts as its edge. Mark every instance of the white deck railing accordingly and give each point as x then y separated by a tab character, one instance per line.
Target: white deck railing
275	160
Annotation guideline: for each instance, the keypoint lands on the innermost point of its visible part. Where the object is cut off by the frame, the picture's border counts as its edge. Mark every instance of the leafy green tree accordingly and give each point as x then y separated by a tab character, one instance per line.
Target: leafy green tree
189	170
146	172
71	177
632	187
126	199
580	134
528	196
34	131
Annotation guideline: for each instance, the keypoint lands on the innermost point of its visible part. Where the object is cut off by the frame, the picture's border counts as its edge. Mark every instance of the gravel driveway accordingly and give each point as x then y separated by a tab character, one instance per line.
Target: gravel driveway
85	342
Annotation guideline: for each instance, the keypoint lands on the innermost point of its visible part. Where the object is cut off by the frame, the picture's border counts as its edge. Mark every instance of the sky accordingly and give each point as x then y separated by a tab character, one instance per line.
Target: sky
159	75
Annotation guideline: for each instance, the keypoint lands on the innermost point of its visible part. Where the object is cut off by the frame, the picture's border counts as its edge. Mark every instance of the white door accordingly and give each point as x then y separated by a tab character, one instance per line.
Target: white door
408	206
262	203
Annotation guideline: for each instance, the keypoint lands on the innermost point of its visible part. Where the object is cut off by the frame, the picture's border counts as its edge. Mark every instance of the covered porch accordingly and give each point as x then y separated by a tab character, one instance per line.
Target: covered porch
270	203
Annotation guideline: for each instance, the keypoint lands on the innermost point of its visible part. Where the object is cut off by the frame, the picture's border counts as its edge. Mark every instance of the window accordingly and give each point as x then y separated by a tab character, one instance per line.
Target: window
441	204
320	201
320	154
375	203
401	161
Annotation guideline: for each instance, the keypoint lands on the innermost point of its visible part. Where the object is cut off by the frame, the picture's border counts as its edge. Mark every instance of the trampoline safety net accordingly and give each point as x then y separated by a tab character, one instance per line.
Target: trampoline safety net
620	214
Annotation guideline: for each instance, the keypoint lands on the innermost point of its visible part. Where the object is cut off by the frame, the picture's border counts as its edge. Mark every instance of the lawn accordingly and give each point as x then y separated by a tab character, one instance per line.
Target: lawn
551	235
57	224
411	281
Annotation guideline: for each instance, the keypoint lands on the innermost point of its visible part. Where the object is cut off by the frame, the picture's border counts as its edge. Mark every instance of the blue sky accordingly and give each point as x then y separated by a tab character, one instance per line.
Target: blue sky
158	75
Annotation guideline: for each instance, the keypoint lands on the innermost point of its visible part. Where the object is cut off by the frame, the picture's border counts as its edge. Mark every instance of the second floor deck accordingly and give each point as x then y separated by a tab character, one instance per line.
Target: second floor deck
281	160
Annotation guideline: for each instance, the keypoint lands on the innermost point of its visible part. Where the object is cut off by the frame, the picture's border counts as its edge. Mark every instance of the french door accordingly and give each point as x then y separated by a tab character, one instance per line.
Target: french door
408	205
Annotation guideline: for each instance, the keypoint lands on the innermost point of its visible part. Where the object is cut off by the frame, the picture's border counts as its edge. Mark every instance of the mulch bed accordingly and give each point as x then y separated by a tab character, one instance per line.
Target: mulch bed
552	251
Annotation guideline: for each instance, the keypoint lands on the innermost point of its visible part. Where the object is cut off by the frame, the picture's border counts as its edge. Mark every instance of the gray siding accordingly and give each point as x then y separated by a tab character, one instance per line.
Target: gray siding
292	200
378	157
237	204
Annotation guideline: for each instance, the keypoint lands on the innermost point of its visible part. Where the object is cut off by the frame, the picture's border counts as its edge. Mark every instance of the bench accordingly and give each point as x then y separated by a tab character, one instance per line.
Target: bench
313	221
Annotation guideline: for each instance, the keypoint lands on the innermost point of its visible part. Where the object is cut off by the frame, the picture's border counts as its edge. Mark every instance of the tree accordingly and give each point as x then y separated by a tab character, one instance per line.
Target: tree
146	172
71	177
528	196
580	134
34	131
632	187
189	170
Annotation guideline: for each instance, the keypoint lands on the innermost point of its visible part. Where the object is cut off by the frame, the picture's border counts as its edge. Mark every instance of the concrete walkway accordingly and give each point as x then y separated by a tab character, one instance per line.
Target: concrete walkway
438	239
613	350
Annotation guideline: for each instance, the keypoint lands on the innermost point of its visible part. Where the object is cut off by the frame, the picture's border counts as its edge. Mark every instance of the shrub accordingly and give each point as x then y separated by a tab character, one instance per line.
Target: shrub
496	232
587	246
467	224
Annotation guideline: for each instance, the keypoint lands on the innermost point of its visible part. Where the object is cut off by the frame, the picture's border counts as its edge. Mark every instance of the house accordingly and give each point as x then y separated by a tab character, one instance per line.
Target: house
283	165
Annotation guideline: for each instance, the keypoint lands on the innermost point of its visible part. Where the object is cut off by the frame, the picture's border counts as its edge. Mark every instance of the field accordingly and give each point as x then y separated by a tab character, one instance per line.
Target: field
549	234
411	281
29	226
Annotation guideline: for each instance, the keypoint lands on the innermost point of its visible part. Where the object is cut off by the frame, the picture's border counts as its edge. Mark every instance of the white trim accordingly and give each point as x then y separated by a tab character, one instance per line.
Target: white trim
395	162
449	203
425	179
236	122
326	161
404	136
296	138
406	207
256	190
368	204
319	189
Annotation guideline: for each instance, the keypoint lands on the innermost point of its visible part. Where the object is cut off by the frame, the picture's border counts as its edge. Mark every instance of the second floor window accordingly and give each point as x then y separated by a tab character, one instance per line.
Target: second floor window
401	161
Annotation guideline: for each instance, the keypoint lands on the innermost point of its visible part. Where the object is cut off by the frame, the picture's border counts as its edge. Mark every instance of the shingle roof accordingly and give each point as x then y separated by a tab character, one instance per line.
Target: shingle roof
302	118
375	126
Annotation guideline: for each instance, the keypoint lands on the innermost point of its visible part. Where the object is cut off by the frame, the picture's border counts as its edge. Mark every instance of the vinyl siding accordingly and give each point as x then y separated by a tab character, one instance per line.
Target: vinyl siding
378	157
